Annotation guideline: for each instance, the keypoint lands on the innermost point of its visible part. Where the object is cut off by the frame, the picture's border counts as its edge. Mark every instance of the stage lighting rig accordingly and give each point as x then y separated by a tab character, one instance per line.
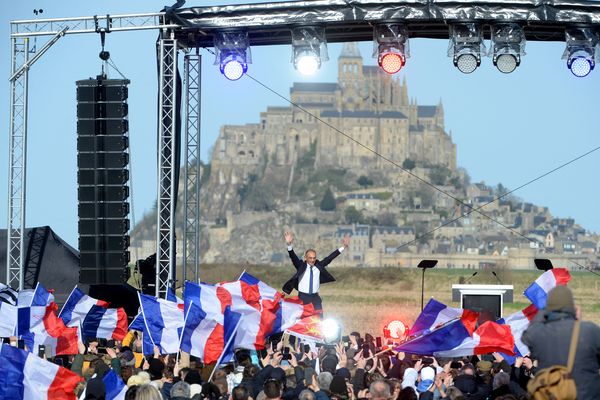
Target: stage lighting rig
309	48
508	45
390	46
581	51
466	46
232	53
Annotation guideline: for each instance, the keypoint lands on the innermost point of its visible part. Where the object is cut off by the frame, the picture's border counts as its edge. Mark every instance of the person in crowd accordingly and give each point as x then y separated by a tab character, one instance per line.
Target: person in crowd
240	393
180	391
549	336
379	390
148	392
310	272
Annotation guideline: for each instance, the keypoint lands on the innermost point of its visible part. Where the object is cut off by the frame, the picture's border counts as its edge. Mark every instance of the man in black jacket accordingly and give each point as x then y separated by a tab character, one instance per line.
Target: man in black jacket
310	272
549	336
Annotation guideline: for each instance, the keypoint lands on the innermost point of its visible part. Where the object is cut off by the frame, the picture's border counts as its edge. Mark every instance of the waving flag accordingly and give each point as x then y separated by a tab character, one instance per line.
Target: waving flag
27	376
518	323
489	337
96	320
8	294
41	296
164	321
203	334
8	319
115	388
40	326
446	337
171	296
308	328
538	291
139	325
434	314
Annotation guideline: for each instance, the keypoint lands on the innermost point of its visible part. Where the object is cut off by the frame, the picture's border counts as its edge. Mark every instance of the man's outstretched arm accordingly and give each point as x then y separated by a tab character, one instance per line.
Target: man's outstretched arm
289	239
337	252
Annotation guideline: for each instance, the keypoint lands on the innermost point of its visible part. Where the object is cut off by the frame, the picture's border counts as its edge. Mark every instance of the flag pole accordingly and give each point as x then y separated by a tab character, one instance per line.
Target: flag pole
242	274
181	336
225	347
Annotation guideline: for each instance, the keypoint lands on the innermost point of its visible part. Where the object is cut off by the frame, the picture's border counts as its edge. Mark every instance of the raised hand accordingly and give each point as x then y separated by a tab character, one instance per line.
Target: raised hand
289	237
346	241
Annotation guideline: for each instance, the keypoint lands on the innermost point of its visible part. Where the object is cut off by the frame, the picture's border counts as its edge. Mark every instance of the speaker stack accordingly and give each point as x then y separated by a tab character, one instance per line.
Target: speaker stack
102	176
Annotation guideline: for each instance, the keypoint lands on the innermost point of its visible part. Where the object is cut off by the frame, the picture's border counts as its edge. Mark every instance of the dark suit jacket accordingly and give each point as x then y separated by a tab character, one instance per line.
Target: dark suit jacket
300	265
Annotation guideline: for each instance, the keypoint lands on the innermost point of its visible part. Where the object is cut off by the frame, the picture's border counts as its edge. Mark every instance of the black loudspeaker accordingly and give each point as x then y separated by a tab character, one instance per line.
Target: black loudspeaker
102	176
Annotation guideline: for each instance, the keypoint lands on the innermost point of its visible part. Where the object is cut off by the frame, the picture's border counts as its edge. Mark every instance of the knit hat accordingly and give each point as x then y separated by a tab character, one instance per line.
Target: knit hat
410	377
127	358
344	373
338	386
484	366
560	298
195	389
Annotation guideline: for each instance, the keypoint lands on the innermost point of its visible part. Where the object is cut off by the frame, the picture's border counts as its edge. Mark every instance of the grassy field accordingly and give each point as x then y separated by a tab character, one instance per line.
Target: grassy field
364	299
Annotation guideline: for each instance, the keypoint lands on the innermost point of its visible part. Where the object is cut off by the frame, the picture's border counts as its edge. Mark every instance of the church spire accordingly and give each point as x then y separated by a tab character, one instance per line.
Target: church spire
350	50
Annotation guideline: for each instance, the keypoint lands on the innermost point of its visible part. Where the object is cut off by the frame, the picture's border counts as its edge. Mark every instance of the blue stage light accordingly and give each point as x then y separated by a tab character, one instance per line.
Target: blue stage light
580	64
233	67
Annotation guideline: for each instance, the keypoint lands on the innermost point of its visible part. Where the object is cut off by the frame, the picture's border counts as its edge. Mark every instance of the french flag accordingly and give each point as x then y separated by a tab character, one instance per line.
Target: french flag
41	296
138	325
434	314
27	376
446	337
8	319
164	321
290	312
115	388
40	326
94	317
518	323
205	336
171	296
537	292
489	337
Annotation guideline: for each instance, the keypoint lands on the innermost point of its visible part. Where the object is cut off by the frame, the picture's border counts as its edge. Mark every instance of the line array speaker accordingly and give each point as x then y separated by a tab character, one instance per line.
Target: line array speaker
102	177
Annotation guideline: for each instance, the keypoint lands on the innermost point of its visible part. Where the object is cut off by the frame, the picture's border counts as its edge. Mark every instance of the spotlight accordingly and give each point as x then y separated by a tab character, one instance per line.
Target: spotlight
466	46
581	50
232	53
390	46
332	330
508	45
309	48
396	329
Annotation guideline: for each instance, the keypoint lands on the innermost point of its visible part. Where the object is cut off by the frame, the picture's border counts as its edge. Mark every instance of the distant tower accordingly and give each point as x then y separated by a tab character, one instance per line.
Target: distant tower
350	76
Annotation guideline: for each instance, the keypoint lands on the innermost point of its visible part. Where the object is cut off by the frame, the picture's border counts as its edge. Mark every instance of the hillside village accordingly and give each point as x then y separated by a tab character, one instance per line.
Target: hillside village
354	157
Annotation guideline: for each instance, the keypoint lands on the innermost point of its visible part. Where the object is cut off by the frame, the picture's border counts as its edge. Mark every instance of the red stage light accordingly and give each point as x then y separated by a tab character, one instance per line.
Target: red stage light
396	329
391	62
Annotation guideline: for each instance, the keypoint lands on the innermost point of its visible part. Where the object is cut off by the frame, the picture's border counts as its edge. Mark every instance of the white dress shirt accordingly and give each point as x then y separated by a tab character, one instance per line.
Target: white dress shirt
304	282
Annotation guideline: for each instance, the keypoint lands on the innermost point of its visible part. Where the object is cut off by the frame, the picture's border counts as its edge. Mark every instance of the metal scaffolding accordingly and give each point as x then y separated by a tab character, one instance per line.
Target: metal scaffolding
191	219
167	146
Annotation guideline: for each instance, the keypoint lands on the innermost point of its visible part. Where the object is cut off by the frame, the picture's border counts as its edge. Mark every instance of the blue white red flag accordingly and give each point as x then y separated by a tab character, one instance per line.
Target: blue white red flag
164	321
171	296
518	322
27	376
138	325
446	337
115	388
41	296
538	291
94	317
433	315
489	337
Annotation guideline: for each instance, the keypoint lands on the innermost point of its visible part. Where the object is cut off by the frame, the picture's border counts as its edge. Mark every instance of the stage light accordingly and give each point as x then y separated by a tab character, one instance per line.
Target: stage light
332	330
232	53
309	48
390	46
396	329
508	45
466	46
582	49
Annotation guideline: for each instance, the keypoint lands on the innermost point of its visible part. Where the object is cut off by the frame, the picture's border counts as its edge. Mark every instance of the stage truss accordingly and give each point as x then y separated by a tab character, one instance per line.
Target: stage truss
267	24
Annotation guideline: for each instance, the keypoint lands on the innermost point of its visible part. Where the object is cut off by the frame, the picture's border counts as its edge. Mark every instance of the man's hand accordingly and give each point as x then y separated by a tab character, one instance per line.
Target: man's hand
346	241
289	237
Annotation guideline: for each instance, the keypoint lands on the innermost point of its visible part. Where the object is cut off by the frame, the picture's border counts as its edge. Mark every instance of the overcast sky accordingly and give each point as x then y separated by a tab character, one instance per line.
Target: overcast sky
507	128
